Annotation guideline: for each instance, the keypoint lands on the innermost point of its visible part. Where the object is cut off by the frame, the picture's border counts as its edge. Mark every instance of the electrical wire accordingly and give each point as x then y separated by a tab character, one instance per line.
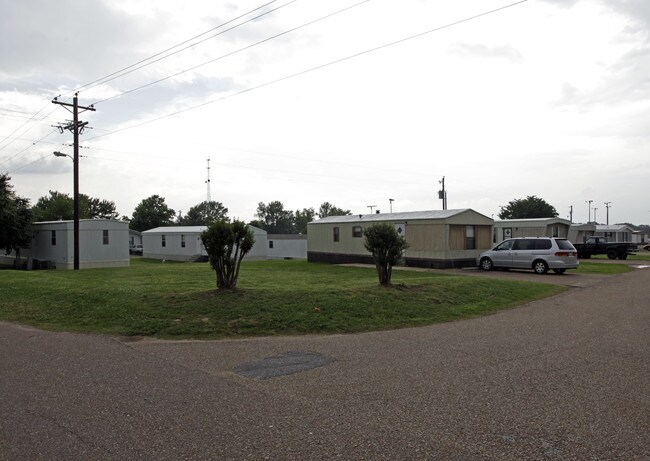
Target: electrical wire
312	69
122	72
151	59
268	39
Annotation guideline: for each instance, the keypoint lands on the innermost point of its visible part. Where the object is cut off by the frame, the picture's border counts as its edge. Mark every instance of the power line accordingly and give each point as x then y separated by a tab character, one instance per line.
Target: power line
114	75
312	69
233	52
133	68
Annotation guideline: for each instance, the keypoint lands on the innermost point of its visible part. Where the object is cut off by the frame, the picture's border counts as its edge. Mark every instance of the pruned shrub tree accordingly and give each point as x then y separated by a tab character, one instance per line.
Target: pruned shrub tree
226	244
386	247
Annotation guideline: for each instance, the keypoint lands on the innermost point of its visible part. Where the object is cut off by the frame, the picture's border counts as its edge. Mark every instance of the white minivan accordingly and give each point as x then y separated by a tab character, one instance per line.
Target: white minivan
537	253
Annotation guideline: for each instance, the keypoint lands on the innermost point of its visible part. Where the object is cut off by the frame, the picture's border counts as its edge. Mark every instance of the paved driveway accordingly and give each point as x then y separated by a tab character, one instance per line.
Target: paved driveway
563	378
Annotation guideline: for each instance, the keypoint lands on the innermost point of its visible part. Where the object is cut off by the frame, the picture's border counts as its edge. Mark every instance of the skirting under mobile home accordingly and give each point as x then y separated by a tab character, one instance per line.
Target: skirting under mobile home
437	239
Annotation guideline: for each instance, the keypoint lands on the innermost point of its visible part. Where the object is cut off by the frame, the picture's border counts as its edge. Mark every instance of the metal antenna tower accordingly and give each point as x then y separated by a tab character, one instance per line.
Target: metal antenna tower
208	180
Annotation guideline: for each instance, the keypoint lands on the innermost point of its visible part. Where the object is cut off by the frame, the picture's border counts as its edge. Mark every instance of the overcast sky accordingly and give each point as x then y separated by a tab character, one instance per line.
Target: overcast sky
546	97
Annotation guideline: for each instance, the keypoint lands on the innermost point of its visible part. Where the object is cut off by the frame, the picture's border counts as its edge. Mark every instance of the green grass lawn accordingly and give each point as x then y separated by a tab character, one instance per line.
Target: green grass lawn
641	255
600	268
179	300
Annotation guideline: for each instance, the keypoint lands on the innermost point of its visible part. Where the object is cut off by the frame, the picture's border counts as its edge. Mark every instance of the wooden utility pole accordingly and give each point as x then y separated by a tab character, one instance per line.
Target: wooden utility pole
76	127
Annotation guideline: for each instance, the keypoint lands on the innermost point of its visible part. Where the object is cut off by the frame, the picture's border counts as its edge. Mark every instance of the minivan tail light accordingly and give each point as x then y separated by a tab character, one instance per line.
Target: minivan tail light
566	253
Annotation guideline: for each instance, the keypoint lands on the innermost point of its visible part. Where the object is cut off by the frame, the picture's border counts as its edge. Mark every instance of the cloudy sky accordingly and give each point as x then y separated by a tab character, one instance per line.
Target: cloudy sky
347	101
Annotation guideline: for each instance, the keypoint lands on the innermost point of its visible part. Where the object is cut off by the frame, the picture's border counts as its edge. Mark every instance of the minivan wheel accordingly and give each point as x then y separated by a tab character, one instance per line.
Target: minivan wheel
540	267
486	264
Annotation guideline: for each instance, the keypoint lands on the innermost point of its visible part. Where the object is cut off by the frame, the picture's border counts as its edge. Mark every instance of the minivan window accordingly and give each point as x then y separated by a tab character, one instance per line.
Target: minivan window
504	246
564	244
523	244
543	244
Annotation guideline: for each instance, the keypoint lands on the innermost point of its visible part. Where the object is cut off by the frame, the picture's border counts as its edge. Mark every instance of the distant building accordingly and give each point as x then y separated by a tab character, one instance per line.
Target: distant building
533	227
614	233
287	246
135	237
437	239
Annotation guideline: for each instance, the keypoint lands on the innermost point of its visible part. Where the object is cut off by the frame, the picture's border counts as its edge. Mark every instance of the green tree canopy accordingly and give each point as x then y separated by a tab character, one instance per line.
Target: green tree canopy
274	219
327	209
386	247
227	244
205	213
302	218
530	207
61	206
150	213
15	219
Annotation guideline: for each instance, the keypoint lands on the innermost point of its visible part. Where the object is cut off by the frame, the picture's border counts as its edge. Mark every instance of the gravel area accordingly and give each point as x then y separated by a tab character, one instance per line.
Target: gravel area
565	378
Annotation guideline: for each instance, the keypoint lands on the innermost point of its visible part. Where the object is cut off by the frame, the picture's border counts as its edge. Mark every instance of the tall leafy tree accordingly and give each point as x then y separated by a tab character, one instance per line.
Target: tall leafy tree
61	206
327	209
150	213
15	219
302	218
386	247
227	244
205	213
530	207
274	219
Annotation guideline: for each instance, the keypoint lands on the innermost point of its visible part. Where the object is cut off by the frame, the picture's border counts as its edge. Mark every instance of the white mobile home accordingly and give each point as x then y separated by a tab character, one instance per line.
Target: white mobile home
183	243
533	227
615	233
287	246
102	243
438	239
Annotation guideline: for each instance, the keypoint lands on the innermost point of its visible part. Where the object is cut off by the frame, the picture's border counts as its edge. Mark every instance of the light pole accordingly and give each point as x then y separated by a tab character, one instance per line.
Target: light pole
607	205
589	202
76	207
391	204
595	219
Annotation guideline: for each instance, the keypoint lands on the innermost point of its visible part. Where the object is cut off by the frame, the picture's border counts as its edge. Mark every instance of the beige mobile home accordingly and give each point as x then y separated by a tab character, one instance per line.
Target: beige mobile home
437	239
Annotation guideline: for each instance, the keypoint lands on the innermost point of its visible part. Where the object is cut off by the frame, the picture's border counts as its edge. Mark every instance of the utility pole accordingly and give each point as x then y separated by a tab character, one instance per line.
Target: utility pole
76	127
371	207
442	194
589	202
390	200
571	213
595	219
607	205
208	181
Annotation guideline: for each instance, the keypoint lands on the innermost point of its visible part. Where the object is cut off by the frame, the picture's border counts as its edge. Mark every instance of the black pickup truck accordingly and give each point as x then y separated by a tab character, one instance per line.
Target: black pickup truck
600	246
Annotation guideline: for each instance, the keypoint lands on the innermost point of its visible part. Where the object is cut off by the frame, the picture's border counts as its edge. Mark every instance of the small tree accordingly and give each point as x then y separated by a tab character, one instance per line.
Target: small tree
227	244
386	246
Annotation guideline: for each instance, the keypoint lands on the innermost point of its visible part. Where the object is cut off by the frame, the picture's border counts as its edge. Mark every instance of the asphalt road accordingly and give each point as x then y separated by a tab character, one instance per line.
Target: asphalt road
563	378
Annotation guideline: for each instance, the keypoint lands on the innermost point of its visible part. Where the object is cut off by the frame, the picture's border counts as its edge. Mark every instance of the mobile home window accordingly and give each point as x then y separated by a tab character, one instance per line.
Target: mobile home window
163	241
105	236
270	243
336	234
182	241
357	231
53	237
470	241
